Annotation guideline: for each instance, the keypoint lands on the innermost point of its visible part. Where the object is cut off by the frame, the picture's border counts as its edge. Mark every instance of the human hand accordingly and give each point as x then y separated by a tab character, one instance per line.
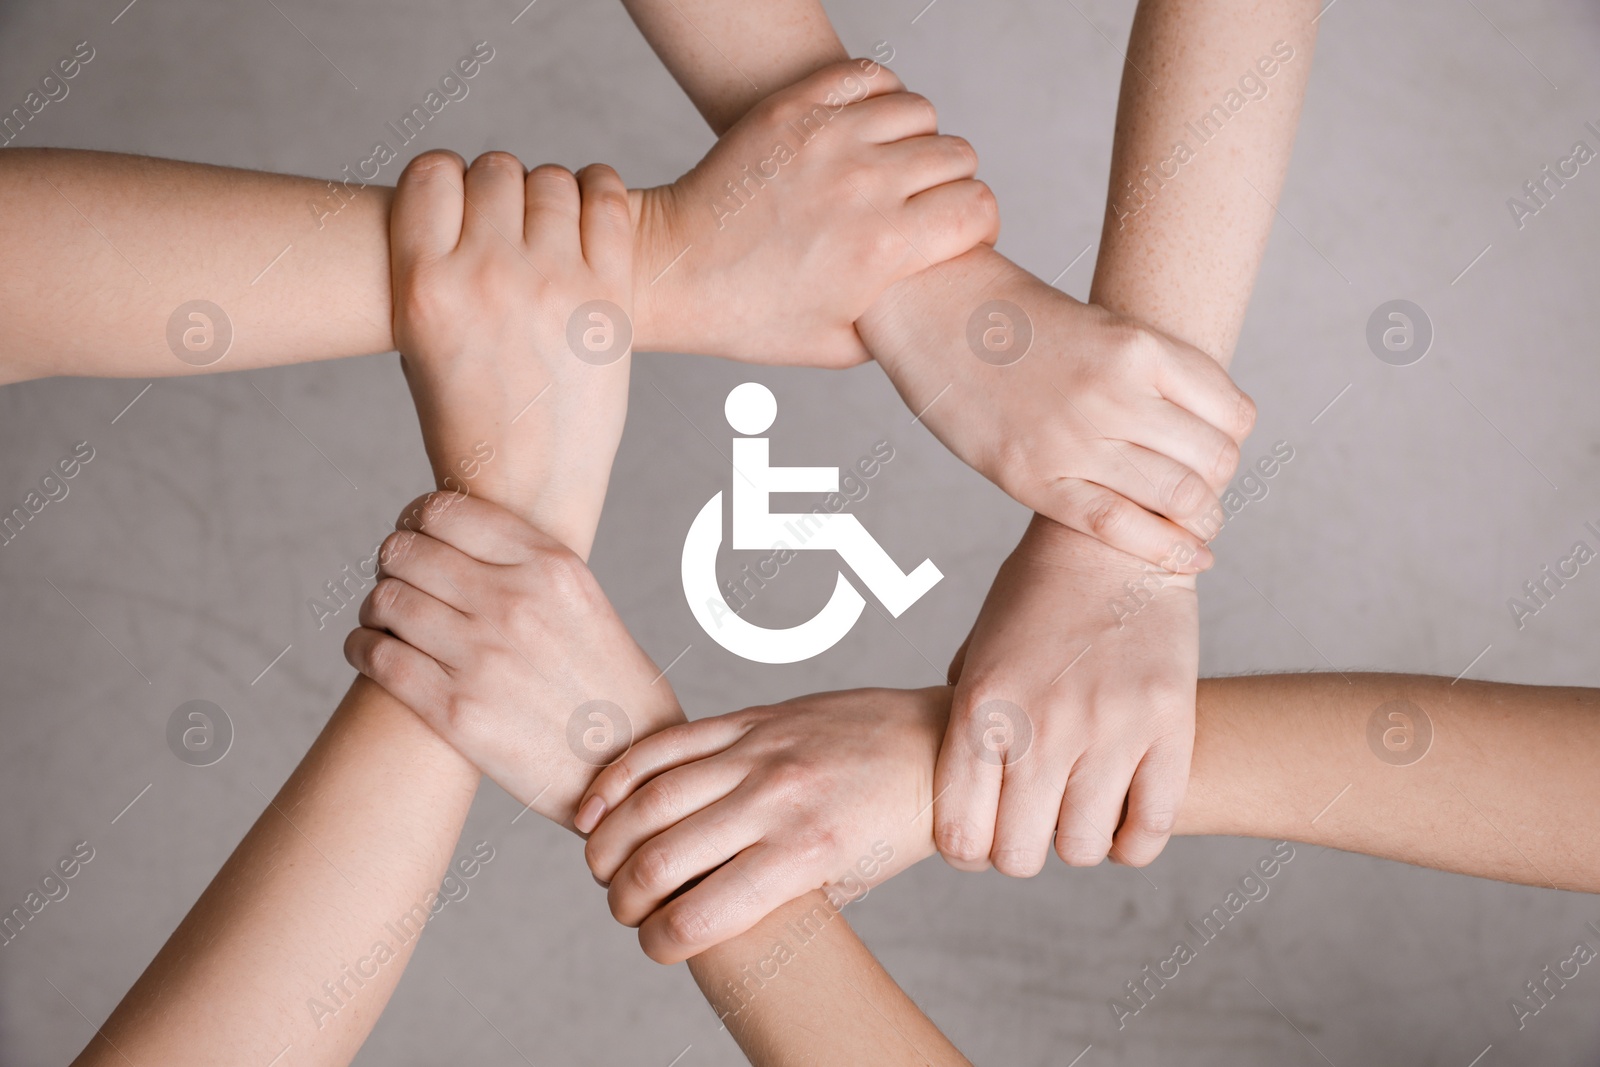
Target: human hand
802	214
1074	692
497	273
1101	424
499	637
761	806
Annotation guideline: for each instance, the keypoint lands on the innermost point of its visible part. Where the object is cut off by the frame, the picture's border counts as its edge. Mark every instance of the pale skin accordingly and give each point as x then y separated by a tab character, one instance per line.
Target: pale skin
364	830
1111	705
138	237
788	797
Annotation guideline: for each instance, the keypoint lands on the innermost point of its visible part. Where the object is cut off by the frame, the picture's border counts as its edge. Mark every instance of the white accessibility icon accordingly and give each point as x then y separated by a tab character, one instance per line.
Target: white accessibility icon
751	409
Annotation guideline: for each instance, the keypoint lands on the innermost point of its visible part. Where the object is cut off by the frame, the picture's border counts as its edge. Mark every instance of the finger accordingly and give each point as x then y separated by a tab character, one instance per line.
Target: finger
441	571
425	623
1198	384
605	223
1186	438
726	903
656	807
485	531
425	219
660	752
966	780
1091	809
1153	481
494	200
553	209
1030	805
893	117
693	847
951	219
1153	800
410	676
1116	521
921	163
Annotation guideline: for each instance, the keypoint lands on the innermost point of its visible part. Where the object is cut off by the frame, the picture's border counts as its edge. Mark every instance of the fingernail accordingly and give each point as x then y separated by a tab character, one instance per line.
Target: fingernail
598	882
589	815
1203	559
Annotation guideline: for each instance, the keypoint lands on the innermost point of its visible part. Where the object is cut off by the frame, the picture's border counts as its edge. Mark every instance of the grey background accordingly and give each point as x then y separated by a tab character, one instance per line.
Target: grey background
1414	507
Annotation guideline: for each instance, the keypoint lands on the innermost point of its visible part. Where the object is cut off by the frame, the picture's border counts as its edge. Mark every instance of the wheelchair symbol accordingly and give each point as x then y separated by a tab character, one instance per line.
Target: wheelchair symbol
751	409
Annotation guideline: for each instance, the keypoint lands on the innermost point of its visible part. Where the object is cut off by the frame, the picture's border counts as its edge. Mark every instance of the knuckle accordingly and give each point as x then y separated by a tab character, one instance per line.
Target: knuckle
1187	493
1018	862
1245	417
653	869
396	547
961	841
686	924
1080	848
963	149
554	175
661	801
1156	821
1227	460
985	205
1106	515
433	165
385	598
495	159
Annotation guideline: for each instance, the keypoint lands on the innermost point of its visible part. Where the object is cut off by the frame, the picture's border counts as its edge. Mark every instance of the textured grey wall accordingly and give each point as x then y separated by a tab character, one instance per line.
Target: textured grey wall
1415	506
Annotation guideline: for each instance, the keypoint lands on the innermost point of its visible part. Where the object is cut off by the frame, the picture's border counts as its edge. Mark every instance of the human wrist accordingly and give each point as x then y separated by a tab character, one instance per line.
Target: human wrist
658	324
1070	549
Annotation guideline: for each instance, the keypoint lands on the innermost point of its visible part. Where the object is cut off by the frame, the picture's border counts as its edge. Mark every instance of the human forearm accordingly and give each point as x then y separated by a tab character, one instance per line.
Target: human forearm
728	56
800	987
1202	146
351	850
1504	789
114	244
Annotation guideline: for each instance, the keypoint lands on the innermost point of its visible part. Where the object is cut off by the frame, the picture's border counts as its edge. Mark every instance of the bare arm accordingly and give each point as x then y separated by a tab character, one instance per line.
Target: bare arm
1186	226
1480	778
1132	387
338	875
1210	100
111	246
1485	779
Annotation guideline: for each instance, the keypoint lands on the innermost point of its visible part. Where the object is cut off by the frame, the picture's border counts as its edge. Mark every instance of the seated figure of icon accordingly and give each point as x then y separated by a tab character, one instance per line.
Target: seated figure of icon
751	409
